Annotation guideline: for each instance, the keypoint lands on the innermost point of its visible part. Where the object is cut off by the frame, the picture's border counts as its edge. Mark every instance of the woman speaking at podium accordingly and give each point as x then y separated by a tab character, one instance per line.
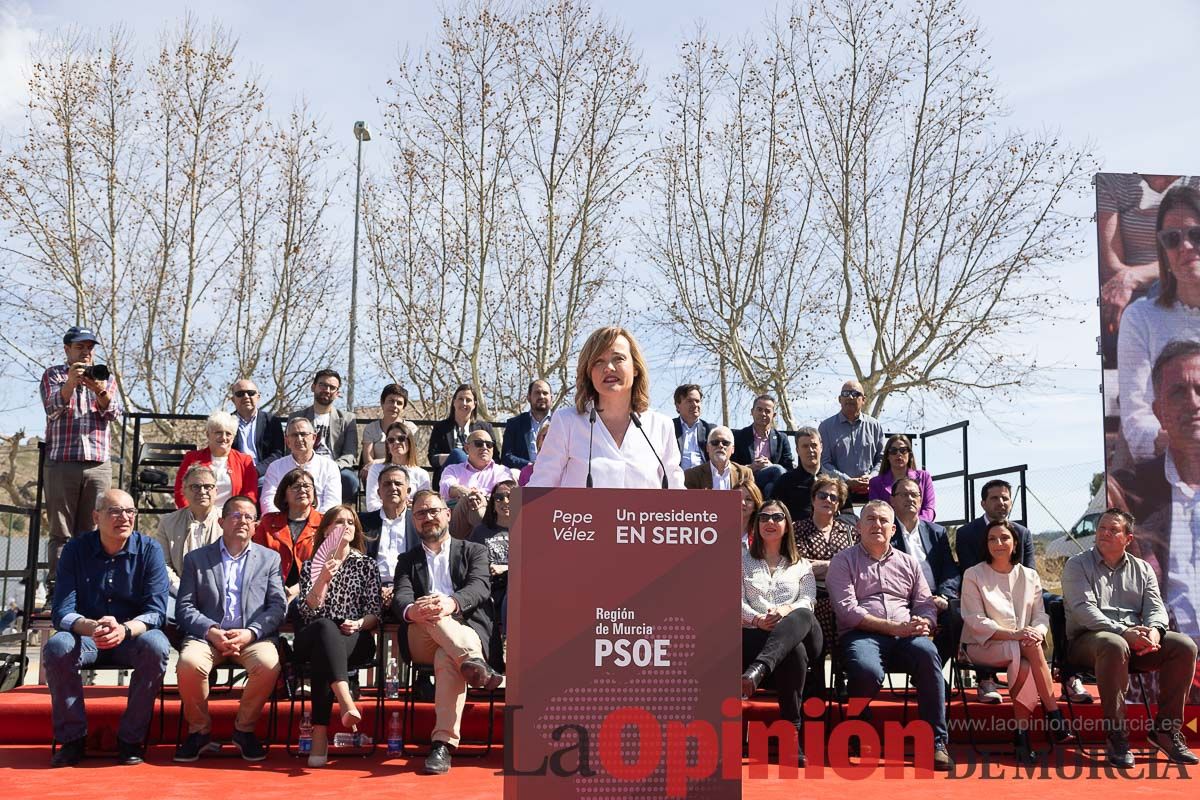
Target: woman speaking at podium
612	439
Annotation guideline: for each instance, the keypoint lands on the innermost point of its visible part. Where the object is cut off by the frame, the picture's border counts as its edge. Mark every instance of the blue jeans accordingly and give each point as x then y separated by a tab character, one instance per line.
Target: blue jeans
67	653
766	477
350	486
866	654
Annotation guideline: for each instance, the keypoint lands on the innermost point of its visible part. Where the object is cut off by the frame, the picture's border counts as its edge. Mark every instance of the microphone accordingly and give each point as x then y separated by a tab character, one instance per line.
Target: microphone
591	431
633	415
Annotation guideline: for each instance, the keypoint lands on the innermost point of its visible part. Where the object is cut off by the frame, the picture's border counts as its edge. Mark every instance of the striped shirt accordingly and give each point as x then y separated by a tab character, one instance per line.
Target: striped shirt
78	430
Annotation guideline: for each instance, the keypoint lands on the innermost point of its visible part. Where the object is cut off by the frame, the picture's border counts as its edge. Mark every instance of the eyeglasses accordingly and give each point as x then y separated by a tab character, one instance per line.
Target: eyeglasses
300	487
331	387
202	487
772	517
720	442
483	444
830	496
240	516
502	498
246	393
898	451
300	434
850	393
117	513
397	439
429	513
1172	238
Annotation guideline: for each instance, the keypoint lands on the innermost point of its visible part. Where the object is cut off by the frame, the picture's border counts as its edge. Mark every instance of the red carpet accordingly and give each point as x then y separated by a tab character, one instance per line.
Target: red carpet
25	735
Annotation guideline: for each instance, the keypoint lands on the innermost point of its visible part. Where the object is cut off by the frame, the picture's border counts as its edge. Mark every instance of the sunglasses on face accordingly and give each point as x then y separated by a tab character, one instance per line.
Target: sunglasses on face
898	451
245	393
1172	238
720	442
850	393
503	498
483	444
830	496
772	517
397	439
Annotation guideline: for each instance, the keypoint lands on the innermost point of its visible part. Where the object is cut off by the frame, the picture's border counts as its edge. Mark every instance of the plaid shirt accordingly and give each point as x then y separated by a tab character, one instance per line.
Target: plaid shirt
78	430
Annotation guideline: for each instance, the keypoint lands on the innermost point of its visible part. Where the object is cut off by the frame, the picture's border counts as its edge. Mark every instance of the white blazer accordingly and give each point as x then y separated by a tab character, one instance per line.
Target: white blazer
563	458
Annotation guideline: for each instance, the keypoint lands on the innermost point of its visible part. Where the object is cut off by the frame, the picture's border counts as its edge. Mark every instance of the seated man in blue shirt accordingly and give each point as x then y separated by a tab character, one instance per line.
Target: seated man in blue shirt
109	604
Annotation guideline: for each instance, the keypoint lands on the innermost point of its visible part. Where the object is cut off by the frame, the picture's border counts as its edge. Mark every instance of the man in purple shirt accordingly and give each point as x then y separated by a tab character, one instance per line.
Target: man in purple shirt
885	618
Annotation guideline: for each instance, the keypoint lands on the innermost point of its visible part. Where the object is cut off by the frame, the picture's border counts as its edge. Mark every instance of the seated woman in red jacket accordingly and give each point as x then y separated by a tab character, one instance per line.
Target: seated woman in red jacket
234	469
291	530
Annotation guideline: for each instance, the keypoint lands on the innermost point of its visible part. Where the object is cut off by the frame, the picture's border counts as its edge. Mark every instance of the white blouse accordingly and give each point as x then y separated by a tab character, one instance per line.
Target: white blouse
792	584
563	459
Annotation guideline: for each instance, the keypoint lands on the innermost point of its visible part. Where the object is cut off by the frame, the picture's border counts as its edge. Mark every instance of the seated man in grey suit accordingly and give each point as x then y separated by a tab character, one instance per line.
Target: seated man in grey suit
231	602
389	531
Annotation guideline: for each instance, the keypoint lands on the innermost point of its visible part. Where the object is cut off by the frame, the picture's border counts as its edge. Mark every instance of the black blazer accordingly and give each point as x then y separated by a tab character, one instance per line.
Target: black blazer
515	452
372	522
970	544
946	576
469	576
701	434
268	439
781	448
441	441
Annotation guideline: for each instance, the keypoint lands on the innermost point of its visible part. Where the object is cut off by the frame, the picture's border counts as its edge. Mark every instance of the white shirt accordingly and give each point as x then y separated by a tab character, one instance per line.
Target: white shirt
690	455
916	549
391	544
720	479
327	479
220	467
418	479
234	569
439	569
1182	590
320	424
563	460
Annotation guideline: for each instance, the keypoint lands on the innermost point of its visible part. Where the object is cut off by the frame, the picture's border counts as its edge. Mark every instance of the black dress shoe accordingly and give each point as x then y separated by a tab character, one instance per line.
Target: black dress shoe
752	678
130	754
479	675
69	753
438	760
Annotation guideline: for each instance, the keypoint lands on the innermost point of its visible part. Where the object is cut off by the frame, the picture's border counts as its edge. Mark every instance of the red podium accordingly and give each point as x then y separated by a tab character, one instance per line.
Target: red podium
624	645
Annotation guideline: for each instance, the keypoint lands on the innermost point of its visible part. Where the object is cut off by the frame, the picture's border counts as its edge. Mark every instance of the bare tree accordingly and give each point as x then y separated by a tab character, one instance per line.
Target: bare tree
493	235
731	236
940	225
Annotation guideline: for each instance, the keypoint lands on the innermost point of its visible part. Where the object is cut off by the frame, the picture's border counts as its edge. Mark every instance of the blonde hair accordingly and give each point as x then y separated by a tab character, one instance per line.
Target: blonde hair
600	340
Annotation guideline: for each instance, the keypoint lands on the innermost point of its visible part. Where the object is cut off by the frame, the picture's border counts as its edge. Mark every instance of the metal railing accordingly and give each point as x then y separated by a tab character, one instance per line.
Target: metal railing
30	525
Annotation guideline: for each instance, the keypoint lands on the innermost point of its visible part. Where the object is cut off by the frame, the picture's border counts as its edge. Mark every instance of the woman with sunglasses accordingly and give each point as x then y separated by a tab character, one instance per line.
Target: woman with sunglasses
492	533
1151	323
780	634
819	538
400	451
393	401
898	462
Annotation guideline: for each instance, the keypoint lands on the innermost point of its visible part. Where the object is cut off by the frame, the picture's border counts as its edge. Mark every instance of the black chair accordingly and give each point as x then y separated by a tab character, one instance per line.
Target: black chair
151	475
297	680
1065	670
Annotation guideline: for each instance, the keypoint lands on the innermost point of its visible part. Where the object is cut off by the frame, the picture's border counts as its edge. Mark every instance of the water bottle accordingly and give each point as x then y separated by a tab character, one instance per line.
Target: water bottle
392	682
395	737
306	734
351	739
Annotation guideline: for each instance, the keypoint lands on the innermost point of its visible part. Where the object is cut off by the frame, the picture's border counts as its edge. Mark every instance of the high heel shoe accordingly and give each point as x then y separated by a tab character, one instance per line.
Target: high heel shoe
1024	750
1058	727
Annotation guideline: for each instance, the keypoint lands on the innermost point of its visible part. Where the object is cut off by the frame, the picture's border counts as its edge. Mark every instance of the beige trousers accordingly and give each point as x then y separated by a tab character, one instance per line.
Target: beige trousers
196	661
445	644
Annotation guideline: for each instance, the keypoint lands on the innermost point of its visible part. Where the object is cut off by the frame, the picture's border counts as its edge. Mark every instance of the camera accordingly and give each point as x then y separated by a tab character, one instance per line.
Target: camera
97	372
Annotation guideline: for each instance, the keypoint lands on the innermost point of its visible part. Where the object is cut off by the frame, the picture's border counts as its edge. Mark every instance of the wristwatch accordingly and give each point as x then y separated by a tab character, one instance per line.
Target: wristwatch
128	633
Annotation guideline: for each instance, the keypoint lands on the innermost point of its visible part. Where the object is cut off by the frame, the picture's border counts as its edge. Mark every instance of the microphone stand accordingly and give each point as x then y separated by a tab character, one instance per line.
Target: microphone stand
633	415
591	432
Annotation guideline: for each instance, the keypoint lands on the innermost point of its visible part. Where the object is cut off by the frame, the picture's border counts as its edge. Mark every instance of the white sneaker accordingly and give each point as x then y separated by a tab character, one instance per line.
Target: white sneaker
987	692
1075	691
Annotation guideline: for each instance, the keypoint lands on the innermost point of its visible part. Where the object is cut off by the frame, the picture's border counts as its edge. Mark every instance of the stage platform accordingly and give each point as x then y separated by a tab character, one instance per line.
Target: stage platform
25	752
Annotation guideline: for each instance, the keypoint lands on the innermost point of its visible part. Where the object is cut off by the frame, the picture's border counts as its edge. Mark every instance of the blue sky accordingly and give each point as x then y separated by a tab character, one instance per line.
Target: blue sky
1095	71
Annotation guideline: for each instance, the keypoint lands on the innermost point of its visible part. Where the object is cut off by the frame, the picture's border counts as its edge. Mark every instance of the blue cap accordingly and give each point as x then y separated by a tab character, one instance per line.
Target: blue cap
77	334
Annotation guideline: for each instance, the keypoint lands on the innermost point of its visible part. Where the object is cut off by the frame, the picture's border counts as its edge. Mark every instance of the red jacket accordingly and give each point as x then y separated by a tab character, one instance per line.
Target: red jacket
272	532
242	474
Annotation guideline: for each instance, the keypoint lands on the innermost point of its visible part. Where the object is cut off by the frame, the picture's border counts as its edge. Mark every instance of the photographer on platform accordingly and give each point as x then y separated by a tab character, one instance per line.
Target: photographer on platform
80	398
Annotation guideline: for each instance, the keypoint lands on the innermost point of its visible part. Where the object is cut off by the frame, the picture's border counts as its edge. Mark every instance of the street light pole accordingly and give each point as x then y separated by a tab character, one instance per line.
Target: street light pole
362	134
